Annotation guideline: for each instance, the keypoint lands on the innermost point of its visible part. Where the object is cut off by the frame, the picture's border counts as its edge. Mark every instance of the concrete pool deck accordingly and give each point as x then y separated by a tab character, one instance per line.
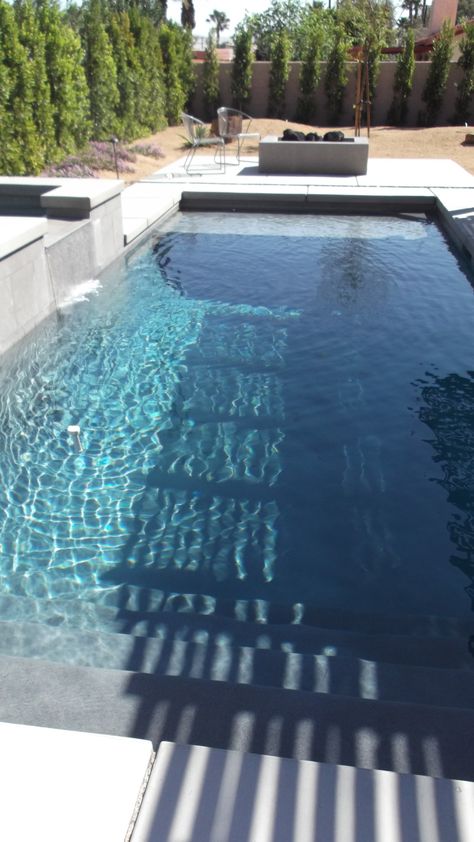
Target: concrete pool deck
390	185
417	733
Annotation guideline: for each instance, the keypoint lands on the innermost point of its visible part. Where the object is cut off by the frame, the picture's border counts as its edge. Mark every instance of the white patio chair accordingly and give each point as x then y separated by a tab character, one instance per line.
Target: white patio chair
235	125
196	133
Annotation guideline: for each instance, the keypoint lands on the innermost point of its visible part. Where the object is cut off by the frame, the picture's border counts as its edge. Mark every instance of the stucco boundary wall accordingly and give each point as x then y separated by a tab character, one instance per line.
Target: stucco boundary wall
55	235
258	106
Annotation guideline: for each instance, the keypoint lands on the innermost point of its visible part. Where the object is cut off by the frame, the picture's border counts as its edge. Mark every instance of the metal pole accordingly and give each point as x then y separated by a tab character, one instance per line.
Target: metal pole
114	141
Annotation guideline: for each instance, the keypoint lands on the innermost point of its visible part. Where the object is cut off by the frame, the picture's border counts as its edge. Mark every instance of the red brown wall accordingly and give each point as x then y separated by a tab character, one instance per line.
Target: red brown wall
258	106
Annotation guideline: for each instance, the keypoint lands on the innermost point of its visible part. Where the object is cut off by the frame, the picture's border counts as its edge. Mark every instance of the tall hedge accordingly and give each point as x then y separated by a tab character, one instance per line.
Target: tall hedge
66	75
34	43
128	75
21	152
150	102
101	73
175	95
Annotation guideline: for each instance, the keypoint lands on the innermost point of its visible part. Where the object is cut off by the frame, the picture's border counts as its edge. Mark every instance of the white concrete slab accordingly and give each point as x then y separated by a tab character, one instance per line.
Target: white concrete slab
153	189
456	201
414	172
149	208
132	228
198	794
18	231
66	786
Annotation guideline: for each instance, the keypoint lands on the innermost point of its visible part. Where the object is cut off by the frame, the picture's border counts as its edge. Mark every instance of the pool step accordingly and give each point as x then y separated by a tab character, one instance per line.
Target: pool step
129	603
134	598
221	661
438	652
421	739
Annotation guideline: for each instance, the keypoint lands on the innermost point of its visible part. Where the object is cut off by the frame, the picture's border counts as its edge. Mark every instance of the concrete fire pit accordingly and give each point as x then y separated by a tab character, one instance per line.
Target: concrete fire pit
346	157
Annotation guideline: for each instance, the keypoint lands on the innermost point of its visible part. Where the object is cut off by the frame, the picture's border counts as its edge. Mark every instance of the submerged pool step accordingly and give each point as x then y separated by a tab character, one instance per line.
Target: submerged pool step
221	661
137	609
135	598
364	733
211	629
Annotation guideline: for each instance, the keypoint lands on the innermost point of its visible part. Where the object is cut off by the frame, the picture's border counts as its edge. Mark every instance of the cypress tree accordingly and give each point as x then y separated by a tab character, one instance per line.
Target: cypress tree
184	49
128	71
150	94
437	78
241	84
67	80
336	74
34	42
279	73
25	154
403	81
210	78
175	97
10	153
466	85
309	78
101	73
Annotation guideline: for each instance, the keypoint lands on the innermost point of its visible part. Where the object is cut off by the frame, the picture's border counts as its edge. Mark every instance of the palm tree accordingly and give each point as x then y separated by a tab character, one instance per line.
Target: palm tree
220	21
188	19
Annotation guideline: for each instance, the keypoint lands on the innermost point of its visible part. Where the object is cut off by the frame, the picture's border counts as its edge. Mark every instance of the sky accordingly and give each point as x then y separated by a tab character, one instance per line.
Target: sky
234	9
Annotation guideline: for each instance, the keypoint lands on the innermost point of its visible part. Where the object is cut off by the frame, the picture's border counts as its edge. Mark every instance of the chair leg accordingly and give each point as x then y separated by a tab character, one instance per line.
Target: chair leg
189	158
220	150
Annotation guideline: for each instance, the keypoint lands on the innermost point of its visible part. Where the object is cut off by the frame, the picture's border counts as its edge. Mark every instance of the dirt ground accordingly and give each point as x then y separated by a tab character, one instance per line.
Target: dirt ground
385	142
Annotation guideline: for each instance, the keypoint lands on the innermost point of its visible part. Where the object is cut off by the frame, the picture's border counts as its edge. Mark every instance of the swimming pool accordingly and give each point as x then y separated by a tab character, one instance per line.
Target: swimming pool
275	408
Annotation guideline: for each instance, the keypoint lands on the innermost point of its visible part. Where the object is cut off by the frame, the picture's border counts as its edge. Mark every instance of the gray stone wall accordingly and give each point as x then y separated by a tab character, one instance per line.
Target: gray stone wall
76	234
26	293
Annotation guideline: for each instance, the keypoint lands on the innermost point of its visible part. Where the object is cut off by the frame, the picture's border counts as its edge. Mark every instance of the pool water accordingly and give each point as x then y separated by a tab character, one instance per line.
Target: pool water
270	407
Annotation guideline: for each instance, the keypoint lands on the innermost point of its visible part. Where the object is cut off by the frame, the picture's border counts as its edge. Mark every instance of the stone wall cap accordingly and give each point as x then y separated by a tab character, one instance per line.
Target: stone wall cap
77	193
20	231
84	193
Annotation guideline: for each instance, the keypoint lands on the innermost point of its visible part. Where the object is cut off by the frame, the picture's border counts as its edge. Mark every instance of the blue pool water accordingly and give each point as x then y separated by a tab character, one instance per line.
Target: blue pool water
271	407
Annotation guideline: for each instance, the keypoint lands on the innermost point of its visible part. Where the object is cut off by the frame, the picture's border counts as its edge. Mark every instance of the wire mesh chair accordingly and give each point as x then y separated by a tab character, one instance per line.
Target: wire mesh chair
196	134
235	125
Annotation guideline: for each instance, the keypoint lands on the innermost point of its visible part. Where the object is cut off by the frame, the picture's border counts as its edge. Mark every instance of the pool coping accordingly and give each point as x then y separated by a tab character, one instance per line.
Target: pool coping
420	185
